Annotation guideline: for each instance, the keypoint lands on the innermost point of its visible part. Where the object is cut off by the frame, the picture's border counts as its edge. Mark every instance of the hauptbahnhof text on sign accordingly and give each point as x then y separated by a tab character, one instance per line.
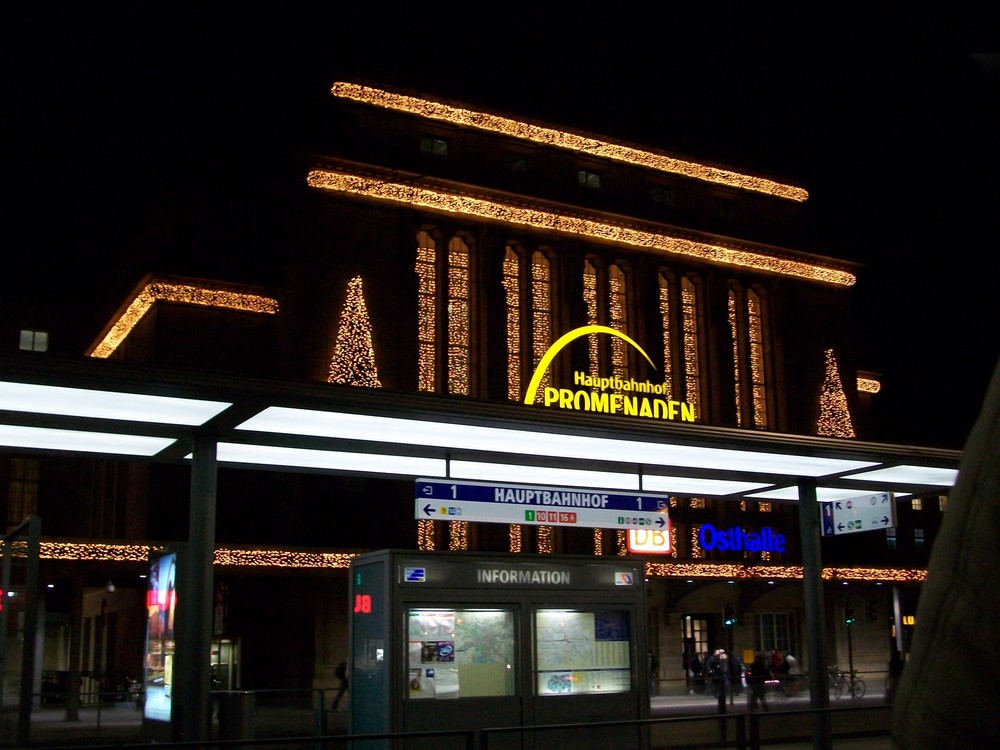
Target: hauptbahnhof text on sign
558	506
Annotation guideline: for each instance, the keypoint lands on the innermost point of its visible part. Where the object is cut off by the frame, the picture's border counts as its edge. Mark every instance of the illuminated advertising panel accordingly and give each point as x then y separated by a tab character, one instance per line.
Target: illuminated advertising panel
161	603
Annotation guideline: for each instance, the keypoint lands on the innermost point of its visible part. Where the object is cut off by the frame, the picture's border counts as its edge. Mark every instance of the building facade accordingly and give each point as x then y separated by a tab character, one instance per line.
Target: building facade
434	248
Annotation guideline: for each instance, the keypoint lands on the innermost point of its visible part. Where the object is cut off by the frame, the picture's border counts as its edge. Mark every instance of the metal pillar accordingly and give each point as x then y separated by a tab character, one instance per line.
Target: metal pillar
812	586
30	531
192	713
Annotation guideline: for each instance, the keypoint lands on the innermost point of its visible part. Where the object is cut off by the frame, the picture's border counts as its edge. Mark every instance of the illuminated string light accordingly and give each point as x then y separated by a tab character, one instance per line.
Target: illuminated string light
692	368
622	538
562	139
869	385
425	535
279	558
696	551
786	572
353	361
537	218
515	533
458	535
545	541
734	332
191	294
541	315
512	288
668	358
426	311
598	542
590	299
459	320
618	319
755	325
834	416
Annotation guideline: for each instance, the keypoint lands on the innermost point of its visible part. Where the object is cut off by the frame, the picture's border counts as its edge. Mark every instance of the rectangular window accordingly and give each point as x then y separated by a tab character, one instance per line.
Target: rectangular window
436	147
515	163
695	637
22	490
692	368
918	539
917	503
726	209
582	651
460	653
34	341
662	196
942	502
588	180
774	632
890	540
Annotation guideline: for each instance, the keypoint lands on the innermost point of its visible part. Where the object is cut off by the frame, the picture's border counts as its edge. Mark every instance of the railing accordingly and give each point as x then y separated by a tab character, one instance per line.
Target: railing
297	720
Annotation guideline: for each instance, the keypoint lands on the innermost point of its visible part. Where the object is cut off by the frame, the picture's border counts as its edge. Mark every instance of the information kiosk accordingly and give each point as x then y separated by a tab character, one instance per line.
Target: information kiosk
461	640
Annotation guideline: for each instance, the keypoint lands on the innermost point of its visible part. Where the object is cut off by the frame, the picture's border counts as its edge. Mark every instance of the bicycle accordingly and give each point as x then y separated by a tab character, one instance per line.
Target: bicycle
852	683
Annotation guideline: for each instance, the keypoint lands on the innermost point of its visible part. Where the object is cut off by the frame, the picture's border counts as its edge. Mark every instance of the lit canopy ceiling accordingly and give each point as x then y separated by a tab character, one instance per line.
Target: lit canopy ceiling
105	407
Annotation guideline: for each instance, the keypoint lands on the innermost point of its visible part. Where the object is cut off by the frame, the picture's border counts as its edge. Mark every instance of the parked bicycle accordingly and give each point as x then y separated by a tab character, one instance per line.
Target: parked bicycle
842	682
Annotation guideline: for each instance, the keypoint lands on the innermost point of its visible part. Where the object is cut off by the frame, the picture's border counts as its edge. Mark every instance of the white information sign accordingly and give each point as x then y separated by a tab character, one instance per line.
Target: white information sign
861	513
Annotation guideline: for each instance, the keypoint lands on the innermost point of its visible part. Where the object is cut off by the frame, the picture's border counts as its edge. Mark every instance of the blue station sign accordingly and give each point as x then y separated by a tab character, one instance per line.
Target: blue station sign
443	500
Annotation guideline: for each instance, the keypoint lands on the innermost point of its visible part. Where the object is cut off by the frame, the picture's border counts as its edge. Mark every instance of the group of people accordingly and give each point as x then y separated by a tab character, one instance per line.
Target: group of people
720	673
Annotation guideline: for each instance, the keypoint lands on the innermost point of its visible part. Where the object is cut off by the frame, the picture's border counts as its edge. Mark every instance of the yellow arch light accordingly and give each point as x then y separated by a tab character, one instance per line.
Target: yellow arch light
567	338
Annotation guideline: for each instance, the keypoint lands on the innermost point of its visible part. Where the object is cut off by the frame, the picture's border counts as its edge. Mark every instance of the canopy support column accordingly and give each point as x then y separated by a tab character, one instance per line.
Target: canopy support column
812	587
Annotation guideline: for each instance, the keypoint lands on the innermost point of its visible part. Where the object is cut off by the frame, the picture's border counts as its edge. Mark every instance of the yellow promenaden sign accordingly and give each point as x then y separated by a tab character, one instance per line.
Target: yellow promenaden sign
606	395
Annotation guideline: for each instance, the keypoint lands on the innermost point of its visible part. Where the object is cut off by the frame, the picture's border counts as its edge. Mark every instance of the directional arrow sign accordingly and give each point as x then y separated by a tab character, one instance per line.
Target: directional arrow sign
439	500
861	513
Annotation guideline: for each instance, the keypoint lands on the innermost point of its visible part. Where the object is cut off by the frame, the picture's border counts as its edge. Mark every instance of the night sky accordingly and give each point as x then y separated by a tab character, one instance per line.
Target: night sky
887	115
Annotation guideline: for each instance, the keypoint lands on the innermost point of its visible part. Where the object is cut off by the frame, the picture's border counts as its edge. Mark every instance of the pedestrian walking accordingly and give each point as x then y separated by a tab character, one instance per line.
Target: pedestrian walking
757	681
341	674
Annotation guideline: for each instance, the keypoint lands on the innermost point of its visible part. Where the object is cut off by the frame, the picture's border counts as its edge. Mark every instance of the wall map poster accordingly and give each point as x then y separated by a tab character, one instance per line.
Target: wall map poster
582	652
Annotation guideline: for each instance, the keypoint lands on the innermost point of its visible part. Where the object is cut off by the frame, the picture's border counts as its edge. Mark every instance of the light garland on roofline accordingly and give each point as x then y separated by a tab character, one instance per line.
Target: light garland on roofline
279	558
563	139
191	294
467	205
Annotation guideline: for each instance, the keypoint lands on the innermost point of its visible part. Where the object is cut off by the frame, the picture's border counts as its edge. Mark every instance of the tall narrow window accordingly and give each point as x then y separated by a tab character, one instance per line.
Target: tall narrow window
590	299
22	490
758	368
527	282
668	354
426	311
541	313
444	308
618	319
458	317
692	371
512	287
735	333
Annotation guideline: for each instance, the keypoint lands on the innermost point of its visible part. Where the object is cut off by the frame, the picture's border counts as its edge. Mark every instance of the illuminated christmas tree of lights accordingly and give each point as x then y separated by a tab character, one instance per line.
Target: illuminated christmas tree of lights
353	361
834	416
